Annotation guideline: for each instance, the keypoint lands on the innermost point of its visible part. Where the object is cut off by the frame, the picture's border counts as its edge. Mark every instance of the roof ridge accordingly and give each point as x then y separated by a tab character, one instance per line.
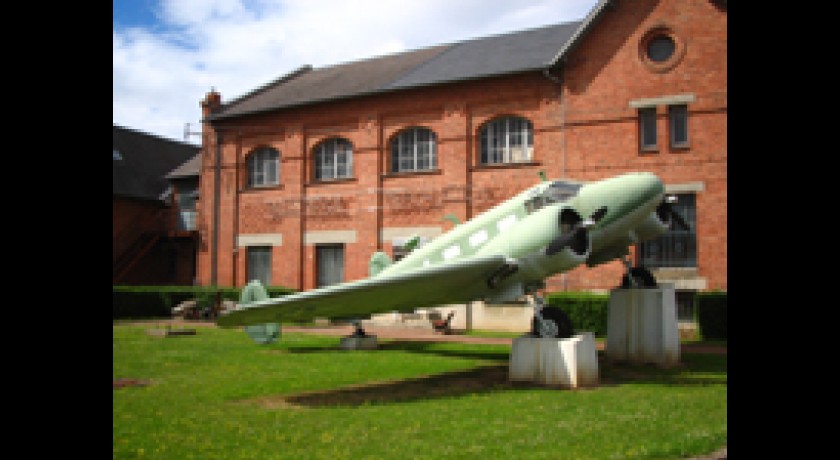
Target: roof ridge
136	131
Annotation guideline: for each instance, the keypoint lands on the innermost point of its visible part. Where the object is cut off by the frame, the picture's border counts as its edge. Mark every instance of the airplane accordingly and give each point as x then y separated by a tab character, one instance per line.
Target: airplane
501	255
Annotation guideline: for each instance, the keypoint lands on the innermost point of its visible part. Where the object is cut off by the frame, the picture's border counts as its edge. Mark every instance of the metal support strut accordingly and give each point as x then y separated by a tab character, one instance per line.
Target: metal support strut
359	331
547	327
628	265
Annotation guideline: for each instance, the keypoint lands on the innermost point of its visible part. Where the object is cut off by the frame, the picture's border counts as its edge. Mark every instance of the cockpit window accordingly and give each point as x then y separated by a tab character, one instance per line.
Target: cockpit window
556	192
562	191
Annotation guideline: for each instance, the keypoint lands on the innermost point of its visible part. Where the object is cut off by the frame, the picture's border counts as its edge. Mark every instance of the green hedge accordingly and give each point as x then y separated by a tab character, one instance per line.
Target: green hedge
138	302
711	314
587	311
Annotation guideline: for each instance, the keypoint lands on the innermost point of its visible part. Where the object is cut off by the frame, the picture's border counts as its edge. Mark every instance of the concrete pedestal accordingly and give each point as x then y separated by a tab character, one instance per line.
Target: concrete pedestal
642	326
570	363
359	343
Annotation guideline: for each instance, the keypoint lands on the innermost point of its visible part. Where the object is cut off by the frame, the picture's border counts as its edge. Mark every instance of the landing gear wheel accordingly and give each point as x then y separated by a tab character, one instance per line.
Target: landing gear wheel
642	276
563	324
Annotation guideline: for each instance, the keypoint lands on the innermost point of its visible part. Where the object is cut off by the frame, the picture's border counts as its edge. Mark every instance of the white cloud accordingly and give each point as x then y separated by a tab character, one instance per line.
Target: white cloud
237	45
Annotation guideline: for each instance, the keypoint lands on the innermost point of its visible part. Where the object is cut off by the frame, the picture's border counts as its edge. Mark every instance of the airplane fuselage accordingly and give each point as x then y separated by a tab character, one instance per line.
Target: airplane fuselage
523	226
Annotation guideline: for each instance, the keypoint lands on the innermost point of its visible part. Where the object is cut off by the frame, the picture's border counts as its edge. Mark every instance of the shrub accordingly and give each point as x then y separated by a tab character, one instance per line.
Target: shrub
711	314
587	311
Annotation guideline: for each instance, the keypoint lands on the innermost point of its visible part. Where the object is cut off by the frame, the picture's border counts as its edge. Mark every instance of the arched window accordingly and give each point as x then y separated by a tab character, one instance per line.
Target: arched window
263	167
334	159
414	149
507	140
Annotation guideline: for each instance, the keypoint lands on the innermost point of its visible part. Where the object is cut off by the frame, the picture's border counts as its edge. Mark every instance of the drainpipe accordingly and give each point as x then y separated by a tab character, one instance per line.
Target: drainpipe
217	175
235	232
547	73
380	182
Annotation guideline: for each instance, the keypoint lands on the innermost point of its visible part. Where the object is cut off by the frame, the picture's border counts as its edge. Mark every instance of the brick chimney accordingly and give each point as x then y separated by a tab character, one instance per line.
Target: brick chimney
212	101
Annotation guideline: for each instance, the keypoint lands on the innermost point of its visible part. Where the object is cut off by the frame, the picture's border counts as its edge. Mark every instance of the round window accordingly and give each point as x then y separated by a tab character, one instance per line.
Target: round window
661	48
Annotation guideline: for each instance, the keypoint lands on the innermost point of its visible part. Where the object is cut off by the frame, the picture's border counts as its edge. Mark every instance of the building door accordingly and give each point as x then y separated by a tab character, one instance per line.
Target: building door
259	264
330	264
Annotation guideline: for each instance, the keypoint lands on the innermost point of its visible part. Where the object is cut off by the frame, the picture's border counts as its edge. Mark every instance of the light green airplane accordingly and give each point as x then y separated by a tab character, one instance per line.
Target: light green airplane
501	255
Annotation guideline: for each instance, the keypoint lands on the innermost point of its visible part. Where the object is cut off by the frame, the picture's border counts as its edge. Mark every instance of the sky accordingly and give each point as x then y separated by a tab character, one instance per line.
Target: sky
169	53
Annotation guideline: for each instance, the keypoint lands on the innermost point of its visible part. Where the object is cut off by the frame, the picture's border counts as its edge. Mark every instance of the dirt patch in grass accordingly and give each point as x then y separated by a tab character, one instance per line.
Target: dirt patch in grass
130	382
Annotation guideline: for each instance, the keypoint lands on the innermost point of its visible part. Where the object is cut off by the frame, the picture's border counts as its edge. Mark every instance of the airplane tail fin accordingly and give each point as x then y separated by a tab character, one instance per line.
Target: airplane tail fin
378	262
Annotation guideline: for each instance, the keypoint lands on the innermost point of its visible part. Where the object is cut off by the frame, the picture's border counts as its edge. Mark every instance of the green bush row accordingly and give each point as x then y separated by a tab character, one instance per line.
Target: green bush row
588	311
710	308
138	302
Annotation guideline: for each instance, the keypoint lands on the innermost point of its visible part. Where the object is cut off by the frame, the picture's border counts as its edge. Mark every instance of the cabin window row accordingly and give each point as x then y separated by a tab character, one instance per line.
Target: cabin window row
501	141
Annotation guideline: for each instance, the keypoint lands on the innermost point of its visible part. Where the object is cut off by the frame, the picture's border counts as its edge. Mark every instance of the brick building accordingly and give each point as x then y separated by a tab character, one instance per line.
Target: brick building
155	182
304	178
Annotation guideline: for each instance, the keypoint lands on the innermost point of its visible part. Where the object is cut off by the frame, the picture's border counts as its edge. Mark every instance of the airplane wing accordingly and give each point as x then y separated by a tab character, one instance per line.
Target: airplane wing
459	281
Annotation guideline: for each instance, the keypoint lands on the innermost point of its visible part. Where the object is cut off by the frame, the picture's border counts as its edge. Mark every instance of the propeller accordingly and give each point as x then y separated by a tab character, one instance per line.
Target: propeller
666	210
576	233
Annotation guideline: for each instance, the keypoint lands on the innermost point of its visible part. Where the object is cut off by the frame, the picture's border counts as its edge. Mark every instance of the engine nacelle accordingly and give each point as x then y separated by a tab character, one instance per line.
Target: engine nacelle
539	265
528	239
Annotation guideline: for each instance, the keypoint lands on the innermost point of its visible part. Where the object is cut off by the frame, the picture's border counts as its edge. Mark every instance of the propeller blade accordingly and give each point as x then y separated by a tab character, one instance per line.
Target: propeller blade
576	232
667	207
679	220
559	243
599	214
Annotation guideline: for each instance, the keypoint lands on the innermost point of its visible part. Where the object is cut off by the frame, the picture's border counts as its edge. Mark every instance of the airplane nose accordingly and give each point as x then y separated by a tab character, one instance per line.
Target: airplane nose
623	194
649	186
642	188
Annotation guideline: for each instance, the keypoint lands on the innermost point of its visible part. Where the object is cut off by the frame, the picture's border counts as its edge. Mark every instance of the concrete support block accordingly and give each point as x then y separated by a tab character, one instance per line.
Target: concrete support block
359	343
642	326
570	363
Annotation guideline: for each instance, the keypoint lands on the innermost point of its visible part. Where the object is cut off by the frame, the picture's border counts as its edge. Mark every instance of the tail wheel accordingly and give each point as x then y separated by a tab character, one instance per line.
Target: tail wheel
563	329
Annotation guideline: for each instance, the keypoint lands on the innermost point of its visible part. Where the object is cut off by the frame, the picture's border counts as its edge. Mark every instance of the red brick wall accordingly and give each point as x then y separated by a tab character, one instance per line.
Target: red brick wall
584	129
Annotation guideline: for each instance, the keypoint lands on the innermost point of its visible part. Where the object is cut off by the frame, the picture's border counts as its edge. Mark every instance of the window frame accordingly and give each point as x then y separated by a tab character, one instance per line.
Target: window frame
658	32
647	117
674	112
334	251
251	261
488	133
327	150
398	145
666	243
258	164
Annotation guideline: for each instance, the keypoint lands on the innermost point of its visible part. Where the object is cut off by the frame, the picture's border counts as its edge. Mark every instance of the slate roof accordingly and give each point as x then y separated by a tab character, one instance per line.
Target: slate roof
142	161
523	51
498	55
352	79
190	168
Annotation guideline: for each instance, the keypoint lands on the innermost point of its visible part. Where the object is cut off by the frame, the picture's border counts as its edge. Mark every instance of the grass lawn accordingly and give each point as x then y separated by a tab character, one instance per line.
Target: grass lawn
219	395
